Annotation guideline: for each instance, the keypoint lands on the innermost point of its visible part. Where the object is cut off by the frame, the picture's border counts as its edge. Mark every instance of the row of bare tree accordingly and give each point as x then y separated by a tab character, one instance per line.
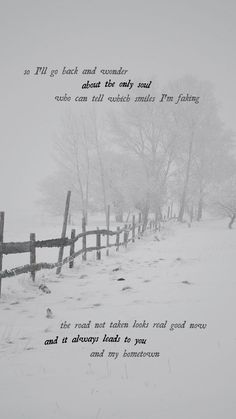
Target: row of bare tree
144	156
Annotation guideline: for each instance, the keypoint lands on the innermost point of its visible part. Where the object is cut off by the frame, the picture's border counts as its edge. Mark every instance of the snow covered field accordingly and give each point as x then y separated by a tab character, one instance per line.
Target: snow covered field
186	276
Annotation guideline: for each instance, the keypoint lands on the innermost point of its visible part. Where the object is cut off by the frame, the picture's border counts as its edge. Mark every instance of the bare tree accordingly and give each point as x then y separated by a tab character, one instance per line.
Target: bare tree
194	121
100	154
73	152
223	199
141	131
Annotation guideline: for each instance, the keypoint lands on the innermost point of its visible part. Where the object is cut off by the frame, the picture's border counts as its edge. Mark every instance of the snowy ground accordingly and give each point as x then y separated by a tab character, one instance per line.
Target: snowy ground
189	275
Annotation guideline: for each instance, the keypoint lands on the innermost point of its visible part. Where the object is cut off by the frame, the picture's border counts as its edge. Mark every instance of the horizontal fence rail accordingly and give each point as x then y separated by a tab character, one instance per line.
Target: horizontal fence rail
24	247
121	235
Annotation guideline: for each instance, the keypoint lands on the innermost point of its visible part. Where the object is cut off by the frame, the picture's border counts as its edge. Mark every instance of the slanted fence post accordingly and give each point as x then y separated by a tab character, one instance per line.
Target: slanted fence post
63	233
84	256
98	244
2	217
133	228
72	248
32	254
117	239
108	228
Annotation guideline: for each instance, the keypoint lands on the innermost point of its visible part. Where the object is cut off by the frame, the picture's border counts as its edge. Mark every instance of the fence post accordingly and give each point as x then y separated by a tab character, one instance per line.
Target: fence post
63	233
133	228
191	214
117	238
84	256
72	248
171	210
144	226
98	244
168	213
125	236
139	224
108	228
2	217
129	229
155	222
32	254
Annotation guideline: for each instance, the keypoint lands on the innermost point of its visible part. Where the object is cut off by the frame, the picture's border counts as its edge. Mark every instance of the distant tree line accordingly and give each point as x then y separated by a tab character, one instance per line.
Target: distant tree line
147	156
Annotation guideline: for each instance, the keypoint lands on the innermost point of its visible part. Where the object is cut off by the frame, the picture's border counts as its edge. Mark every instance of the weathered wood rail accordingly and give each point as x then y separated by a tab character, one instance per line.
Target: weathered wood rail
121	236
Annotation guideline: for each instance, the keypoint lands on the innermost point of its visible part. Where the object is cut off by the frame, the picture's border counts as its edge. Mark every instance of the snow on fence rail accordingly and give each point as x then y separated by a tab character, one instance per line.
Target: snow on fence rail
135	229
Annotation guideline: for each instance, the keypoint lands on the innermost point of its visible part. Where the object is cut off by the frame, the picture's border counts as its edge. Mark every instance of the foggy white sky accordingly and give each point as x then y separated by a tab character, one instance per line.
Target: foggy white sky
167	39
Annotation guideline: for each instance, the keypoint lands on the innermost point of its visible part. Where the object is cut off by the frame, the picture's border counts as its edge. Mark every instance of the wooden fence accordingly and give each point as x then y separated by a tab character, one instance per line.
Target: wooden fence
122	235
